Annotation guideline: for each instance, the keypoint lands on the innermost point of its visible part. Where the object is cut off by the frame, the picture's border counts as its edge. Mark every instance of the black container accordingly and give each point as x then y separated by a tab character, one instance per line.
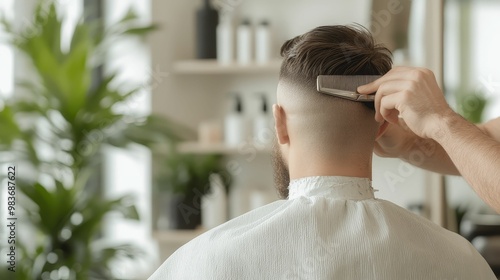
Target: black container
207	20
184	212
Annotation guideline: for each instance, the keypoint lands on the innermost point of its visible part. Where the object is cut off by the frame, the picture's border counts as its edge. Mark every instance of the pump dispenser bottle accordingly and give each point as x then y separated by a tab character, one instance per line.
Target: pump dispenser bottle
263	42
234	124
214	205
262	131
206	24
225	40
244	42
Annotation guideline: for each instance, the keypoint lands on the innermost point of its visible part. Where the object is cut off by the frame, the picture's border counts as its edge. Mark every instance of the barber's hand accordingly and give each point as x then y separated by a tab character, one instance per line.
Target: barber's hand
396	141
411	94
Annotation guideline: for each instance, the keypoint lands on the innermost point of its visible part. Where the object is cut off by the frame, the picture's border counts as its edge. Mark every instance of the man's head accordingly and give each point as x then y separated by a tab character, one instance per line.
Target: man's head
316	132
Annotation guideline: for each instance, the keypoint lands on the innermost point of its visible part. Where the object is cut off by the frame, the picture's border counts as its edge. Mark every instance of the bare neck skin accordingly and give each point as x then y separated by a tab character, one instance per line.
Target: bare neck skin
320	135
304	162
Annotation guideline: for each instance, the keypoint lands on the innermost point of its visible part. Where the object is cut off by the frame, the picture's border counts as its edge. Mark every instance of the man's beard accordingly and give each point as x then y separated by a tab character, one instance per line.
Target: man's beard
281	174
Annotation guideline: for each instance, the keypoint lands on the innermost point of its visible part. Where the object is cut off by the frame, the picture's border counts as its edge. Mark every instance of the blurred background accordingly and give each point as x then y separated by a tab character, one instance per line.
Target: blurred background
136	125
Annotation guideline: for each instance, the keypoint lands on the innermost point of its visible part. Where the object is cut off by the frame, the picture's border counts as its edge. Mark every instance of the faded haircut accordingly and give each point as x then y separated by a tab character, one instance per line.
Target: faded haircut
333	50
326	122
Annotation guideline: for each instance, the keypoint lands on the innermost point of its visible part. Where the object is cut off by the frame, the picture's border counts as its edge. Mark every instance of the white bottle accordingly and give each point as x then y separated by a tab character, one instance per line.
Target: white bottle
225	40
235	125
262	130
263	42
244	40
214	205
239	202
259	198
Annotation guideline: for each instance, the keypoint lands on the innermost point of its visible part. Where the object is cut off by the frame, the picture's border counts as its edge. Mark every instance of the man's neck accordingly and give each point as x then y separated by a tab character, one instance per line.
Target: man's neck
308	165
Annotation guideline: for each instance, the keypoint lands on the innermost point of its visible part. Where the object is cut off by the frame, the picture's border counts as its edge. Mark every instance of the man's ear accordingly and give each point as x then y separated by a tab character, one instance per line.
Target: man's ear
382	129
280	124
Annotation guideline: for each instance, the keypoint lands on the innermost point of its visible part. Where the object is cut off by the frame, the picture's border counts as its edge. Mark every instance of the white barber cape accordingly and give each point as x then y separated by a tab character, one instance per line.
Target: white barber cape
329	228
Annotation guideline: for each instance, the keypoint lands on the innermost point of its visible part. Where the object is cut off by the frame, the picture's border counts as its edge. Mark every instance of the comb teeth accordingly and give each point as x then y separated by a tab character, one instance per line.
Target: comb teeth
348	83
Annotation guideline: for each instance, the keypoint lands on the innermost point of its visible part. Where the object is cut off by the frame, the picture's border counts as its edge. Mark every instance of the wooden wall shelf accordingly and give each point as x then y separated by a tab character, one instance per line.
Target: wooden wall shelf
211	66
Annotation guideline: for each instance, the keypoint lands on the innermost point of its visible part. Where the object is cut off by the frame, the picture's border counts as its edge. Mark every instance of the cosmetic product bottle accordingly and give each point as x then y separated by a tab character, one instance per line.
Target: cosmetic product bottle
235	124
262	130
244	40
207	19
259	198
263	42
210	132
239	202
225	40
214	205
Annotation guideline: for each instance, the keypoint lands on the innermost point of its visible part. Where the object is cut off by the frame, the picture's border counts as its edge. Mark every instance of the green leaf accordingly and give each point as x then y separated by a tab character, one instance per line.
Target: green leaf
31	152
6	25
77	78
141	30
93	211
49	70
43	201
9	130
104	256
96	95
128	211
51	29
30	107
131	15
81	35
129	25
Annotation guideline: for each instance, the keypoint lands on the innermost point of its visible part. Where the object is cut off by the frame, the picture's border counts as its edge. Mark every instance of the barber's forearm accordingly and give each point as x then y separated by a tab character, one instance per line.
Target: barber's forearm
436	159
429	155
475	155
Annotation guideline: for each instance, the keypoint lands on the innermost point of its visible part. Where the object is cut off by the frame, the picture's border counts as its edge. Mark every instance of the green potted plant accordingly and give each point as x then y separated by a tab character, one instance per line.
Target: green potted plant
185	178
471	105
72	116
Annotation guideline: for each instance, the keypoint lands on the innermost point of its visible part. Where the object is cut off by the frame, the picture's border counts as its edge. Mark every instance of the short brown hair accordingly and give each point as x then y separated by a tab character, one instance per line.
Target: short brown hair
333	50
